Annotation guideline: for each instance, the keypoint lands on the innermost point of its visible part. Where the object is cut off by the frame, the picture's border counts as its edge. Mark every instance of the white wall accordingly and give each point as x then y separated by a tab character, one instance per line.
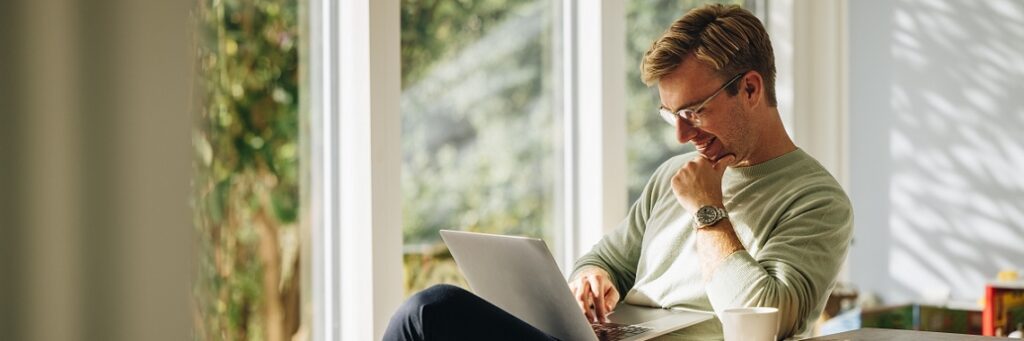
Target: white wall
936	145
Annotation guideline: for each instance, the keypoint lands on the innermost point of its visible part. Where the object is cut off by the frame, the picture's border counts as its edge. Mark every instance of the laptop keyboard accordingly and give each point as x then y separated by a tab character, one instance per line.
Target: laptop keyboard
614	331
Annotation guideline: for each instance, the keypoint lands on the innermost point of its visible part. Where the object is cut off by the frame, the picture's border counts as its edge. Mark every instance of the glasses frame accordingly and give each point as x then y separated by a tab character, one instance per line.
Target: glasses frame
693	115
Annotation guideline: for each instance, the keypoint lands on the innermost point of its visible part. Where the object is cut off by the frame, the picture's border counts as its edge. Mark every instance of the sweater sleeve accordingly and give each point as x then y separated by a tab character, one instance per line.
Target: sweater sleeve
618	252
796	267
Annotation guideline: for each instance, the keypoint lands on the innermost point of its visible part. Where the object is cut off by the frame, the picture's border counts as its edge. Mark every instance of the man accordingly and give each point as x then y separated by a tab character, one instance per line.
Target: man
747	220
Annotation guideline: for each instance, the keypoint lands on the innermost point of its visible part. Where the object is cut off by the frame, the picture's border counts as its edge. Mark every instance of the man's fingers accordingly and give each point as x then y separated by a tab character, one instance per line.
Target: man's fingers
724	162
599	305
609	304
600	312
586	299
702	160
611	298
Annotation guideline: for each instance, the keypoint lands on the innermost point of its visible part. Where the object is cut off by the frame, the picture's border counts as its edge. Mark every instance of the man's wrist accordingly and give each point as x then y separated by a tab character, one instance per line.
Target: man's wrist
709	215
589	267
711	202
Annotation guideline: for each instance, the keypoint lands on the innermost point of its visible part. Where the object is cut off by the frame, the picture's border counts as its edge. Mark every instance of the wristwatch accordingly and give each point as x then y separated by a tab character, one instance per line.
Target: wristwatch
709	215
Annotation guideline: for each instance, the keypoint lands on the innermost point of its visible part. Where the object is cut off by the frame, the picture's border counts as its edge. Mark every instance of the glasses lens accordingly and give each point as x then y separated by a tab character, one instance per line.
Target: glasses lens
689	115
668	116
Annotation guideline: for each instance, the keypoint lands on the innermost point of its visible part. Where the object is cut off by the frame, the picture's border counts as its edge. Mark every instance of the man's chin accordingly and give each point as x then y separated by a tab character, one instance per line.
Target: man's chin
715	157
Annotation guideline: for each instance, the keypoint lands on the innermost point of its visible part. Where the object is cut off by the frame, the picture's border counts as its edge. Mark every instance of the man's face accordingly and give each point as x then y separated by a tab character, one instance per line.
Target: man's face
723	125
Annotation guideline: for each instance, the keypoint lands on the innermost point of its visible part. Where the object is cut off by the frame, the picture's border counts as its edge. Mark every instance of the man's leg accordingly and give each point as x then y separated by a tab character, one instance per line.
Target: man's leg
447	312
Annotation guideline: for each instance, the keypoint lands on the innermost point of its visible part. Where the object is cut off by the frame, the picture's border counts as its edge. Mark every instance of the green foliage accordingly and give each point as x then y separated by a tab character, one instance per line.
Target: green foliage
477	125
435	30
470	130
246	169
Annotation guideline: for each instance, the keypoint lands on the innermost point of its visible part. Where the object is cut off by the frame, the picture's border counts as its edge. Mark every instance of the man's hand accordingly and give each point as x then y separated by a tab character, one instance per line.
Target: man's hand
699	182
595	293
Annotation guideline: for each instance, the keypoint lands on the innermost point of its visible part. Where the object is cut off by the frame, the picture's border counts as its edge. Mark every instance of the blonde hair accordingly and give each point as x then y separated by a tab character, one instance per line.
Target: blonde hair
728	38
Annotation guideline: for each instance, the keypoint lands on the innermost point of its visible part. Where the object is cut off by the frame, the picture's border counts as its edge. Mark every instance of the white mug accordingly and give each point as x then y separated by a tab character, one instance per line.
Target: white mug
750	324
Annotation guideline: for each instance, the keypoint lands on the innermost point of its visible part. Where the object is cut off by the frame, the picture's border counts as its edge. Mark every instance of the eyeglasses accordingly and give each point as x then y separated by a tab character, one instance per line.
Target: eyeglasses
693	115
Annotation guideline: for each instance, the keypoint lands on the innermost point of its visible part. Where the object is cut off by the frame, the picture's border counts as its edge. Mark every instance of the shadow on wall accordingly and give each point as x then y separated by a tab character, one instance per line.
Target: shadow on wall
956	149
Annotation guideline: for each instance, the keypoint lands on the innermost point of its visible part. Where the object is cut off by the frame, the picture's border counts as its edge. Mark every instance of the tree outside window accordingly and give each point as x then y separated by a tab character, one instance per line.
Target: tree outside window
246	194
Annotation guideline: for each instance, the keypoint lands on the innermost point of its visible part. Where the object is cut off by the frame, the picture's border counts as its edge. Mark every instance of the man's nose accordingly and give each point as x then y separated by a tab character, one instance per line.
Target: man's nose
685	131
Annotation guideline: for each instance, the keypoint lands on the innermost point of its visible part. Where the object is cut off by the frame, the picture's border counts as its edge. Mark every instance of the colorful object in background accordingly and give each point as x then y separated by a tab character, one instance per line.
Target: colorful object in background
1007	275
924	318
1004	307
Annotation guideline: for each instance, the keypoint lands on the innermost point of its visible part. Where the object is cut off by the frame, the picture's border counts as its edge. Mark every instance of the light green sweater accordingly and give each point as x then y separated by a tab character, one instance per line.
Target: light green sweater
791	215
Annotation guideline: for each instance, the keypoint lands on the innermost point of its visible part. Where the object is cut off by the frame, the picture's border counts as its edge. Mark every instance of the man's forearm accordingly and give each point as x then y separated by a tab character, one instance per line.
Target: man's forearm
714	244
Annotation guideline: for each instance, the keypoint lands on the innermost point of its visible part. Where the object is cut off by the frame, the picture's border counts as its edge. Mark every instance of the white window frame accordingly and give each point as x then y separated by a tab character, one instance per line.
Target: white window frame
356	280
355	198
594	182
811	42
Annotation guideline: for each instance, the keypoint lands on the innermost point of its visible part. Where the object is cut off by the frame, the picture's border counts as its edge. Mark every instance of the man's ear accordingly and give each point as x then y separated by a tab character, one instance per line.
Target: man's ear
751	89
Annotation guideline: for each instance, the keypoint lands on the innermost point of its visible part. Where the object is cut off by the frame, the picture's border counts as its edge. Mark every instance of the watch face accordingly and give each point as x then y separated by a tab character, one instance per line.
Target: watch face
707	215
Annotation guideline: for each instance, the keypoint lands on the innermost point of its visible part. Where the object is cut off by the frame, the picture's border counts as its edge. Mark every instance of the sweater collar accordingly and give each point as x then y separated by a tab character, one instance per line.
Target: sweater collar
770	166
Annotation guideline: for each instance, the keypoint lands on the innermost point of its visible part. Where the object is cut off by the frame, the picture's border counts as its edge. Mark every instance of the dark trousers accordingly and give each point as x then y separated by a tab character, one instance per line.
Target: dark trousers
447	312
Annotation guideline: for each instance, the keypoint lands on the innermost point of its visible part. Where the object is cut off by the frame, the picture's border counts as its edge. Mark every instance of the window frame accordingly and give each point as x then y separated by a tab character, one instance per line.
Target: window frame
355	160
596	29
811	43
347	145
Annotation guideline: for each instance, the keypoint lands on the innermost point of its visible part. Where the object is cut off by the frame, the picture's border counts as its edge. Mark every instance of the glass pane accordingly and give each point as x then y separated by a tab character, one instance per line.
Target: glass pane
246	185
650	140
478	126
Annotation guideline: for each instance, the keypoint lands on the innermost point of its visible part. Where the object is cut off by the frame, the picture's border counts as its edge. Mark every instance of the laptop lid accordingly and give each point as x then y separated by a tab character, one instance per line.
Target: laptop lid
519	275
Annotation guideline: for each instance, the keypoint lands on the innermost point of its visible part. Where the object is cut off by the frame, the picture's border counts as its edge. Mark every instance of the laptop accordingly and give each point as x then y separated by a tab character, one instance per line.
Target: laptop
519	275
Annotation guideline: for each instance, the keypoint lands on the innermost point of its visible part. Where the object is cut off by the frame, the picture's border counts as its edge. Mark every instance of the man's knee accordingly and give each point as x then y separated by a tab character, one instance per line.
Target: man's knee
436	296
410	318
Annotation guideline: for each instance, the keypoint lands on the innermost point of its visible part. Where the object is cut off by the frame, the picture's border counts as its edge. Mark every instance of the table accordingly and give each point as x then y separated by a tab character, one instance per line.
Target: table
897	334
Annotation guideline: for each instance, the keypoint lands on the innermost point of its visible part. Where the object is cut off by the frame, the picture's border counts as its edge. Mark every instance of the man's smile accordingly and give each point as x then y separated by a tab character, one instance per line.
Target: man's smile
709	146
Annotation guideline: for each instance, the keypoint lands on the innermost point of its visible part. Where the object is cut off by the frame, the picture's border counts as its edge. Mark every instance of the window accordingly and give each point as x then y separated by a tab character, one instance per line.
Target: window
246	186
479	139
506	123
650	140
